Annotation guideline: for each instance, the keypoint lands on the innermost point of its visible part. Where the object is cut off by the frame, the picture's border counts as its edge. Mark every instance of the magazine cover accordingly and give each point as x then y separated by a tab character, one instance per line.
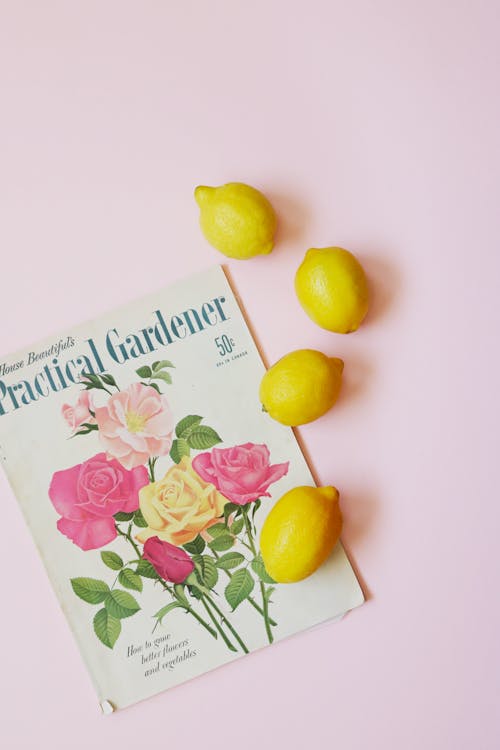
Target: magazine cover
144	466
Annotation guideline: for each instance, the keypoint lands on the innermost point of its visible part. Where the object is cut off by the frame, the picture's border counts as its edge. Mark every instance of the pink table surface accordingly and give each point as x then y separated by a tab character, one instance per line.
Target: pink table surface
369	125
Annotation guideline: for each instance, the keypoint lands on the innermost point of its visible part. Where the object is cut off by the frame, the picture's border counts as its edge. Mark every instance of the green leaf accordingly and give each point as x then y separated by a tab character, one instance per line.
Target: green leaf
90	590
237	526
221	543
195	591
146	570
165	610
202	437
255	508
179	590
107	628
89	427
130	580
269	592
186	424
155	386
180	448
144	372
258	567
239	587
94	379
112	560
198	590
195	547
85	431
217	529
230	560
139	519
205	566
195	585
123	516
231	508
108	379
121	604
162	375
160	365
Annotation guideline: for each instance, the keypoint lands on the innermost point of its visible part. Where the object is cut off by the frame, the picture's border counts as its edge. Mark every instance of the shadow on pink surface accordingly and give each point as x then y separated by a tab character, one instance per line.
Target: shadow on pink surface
384	280
294	218
357	378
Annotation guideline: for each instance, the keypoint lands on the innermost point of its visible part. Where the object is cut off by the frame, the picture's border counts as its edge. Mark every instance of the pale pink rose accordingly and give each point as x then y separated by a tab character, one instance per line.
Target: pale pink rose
135	425
79	414
88	495
242	474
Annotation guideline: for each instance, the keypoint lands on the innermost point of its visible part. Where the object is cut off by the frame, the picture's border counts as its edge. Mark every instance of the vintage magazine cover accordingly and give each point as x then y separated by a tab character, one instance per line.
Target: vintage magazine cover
151	470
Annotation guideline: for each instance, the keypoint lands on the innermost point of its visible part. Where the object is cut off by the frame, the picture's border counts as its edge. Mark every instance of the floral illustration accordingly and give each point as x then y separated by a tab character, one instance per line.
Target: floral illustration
135	425
88	495
170	562
242	473
190	528
80	413
180	506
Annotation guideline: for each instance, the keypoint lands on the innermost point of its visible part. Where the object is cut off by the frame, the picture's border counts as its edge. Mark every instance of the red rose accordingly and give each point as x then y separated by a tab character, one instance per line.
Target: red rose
170	562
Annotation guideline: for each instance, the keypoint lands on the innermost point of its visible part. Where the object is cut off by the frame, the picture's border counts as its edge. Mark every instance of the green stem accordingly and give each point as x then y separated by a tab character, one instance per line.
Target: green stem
188	608
128	535
261	612
224	637
151	464
198	617
228	624
265	603
250	599
248	527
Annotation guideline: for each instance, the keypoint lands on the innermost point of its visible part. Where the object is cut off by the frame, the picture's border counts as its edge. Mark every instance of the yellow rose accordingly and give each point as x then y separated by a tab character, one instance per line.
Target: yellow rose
179	506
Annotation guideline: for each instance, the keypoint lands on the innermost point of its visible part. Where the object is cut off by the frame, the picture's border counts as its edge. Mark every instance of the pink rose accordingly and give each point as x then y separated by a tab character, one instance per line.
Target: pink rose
76	415
88	495
170	562
135	425
242	474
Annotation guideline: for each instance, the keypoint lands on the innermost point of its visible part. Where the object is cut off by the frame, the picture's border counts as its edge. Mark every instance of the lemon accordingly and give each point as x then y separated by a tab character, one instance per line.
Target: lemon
302	386
300	532
331	287
236	219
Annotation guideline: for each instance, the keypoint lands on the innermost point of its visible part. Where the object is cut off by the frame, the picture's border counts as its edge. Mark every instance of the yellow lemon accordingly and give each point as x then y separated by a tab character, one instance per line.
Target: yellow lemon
300	532
302	386
331	287
236	219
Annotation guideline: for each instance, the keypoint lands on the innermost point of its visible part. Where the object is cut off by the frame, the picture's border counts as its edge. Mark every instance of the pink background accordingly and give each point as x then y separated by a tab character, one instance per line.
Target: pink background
373	125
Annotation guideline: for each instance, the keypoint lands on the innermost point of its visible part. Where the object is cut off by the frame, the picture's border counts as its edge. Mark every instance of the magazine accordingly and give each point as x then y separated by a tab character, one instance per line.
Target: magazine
145	466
